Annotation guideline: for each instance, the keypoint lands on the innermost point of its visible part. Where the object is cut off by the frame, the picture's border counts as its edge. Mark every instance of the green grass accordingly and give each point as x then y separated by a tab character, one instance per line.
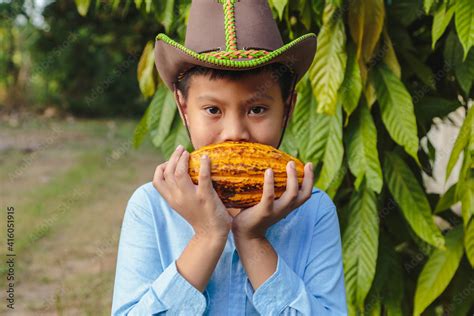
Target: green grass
69	200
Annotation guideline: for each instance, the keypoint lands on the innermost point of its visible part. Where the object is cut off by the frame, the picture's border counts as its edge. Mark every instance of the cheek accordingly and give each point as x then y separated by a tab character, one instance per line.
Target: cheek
201	132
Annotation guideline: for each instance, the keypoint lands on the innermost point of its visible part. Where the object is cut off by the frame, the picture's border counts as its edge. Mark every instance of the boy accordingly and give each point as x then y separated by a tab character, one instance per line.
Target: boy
181	251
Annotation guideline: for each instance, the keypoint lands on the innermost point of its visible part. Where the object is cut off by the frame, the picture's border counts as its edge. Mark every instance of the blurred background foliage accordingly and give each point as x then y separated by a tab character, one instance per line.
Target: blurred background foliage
82	65
384	73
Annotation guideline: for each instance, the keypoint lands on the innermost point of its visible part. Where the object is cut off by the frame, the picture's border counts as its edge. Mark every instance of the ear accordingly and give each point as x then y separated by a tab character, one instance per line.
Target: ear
179	99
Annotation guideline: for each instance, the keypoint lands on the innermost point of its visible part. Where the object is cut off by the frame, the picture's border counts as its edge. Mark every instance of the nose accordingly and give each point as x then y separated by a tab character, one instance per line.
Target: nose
235	129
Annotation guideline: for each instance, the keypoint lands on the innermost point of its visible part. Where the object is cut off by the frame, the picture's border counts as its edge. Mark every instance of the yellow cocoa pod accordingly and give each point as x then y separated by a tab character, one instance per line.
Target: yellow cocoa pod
237	170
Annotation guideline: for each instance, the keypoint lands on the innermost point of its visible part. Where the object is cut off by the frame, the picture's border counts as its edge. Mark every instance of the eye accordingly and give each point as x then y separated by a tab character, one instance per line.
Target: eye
260	109
213	109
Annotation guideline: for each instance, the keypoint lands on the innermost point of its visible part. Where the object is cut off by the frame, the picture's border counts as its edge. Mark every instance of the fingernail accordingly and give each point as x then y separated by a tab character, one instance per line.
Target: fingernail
292	164
179	147
268	172
203	157
311	166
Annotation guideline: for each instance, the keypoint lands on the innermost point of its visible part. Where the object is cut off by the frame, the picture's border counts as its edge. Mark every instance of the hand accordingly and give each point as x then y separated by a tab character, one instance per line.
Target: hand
199	204
253	222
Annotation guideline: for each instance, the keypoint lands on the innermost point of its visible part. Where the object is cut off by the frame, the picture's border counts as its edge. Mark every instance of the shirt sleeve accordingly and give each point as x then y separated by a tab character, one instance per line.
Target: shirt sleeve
142	286
321	291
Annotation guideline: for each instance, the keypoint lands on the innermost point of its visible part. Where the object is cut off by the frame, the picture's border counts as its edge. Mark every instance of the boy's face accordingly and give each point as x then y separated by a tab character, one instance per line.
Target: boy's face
250	109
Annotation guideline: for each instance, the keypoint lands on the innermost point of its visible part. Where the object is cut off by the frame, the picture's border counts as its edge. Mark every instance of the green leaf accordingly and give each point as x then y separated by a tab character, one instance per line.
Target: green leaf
305	13
141	130
169	109
465	73
138	3
465	188
452	50
336	181
351	87
366	19
333	151
280	5
465	23
461	142
362	150
390	57
327	71
83	6
411	198
156	107
447	200
167	15
177	136
319	127
148	5
289	143
299	121
145	71
427	4
388	284
439	270
420	69
405	11
441	20
397	109
360	245
428	108
469	242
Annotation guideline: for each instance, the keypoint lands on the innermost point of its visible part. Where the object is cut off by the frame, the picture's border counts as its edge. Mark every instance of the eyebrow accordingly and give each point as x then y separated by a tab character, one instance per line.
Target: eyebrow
259	96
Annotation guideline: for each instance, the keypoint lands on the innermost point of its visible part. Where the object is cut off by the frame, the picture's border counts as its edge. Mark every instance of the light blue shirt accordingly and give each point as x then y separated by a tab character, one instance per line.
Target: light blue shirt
308	279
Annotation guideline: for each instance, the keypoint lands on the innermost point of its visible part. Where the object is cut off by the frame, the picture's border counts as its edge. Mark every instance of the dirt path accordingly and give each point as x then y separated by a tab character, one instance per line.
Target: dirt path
69	197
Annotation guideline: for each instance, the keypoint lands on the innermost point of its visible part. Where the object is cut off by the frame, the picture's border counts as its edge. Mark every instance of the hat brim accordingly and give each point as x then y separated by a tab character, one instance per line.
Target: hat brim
172	58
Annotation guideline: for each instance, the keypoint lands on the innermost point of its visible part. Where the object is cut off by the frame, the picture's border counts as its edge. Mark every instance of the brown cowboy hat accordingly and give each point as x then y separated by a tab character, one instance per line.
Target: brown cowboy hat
232	35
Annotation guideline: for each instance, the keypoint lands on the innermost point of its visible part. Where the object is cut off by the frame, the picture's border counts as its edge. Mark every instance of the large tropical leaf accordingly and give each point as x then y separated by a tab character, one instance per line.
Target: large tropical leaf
145	71
336	182
366	20
141	130
464	19
83	6
390	57
441	19
430	107
306	13
289	142
427	4
448	199
280	5
351	87
360	245
168	15
469	242
397	109
461	142
327	71
156	108
439	270
388	284
177	136
362	150
333	151
299	122
465	187
409	195
167	114
465	73
420	69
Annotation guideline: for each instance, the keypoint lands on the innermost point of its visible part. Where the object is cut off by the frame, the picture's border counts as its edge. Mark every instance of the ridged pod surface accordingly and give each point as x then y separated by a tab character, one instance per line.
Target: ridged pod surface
237	170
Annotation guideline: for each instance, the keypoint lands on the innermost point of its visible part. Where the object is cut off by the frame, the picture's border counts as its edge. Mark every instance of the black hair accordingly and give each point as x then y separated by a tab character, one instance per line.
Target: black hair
280	72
